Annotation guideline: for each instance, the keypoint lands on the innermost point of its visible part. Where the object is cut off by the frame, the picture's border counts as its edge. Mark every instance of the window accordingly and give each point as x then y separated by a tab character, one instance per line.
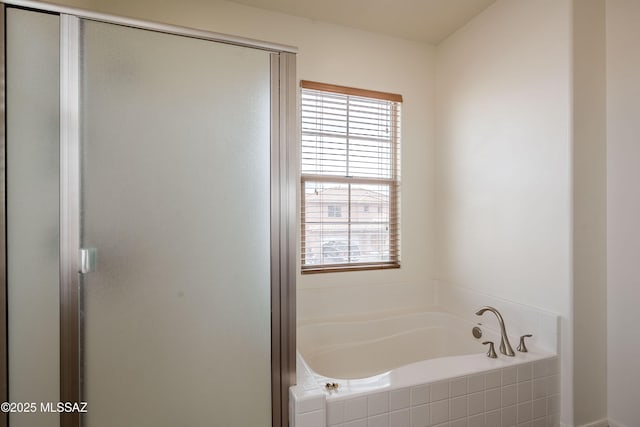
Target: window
350	176
334	211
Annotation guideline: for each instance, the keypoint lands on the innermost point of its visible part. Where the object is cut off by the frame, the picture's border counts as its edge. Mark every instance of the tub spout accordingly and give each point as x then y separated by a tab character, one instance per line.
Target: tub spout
505	345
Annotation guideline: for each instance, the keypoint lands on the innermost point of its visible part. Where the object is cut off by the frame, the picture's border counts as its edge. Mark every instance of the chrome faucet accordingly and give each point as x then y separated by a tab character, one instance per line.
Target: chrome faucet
505	345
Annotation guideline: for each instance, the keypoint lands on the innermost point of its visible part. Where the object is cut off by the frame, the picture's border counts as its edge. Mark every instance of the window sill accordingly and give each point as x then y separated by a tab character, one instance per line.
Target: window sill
340	268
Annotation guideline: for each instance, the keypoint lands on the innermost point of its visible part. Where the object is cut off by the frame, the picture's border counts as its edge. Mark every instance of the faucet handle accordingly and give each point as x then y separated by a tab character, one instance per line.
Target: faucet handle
492	351
522	348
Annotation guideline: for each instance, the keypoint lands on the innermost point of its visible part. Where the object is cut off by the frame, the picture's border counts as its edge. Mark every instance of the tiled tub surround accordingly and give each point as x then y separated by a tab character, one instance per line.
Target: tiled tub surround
482	392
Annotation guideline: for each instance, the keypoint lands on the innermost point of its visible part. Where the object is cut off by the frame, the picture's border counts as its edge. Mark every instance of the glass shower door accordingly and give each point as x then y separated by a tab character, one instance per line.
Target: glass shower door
175	180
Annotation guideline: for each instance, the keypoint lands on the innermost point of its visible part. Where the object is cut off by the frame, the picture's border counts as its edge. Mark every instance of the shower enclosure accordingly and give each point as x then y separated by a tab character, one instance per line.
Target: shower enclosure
150	221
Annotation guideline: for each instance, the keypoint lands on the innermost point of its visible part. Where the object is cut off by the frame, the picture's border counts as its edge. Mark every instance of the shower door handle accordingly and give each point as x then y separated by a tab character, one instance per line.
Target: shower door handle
88	258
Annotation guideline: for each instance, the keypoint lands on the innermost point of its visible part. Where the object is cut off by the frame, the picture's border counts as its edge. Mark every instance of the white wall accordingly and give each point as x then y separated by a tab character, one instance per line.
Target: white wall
503	114
623	210
503	159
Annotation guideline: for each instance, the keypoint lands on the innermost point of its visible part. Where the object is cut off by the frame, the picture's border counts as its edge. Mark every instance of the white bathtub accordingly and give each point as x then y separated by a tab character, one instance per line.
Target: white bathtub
364	348
397	370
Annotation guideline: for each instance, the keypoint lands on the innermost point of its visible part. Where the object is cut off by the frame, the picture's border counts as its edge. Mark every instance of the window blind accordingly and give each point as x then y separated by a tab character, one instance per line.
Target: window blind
350	178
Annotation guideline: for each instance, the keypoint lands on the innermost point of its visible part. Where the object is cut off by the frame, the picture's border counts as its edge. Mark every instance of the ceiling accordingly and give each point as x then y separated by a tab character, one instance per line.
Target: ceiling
428	21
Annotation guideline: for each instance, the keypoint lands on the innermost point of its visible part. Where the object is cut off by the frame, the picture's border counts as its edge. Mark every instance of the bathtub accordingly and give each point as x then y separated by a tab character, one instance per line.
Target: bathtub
418	369
343	349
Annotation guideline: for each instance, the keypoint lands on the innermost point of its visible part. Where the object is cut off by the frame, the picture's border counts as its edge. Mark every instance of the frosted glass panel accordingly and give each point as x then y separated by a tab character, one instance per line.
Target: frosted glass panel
32	211
175	197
